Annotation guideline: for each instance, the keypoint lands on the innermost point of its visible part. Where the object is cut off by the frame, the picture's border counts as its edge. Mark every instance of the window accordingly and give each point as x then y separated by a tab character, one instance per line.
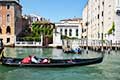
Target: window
98	7
8	30
103	3
0	20
98	16
109	5
37	19
118	12
70	32
102	13
8	6
102	24
98	35
60	31
0	30
65	31
8	17
109	18
82	37
8	40
76	32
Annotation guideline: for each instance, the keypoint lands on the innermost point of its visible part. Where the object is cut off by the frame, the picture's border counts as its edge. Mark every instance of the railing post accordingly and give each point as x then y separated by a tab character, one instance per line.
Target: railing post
116	46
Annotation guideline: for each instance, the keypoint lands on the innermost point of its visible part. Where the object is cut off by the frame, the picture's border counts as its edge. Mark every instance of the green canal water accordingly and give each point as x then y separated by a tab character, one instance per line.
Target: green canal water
109	69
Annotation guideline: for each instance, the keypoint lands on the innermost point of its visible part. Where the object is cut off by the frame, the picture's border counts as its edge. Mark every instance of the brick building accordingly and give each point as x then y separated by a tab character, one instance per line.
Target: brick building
10	20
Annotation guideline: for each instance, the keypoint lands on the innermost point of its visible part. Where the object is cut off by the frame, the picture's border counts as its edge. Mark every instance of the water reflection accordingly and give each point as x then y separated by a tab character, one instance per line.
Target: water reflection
57	53
109	69
46	52
10	52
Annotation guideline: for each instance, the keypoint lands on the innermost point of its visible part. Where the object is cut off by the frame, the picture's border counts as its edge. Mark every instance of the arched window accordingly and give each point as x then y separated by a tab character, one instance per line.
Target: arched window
0	30
8	6
70	32
8	30
0	20
8	17
66	32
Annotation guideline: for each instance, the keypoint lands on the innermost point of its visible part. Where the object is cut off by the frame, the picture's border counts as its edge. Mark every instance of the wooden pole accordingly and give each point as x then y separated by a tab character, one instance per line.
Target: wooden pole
116	46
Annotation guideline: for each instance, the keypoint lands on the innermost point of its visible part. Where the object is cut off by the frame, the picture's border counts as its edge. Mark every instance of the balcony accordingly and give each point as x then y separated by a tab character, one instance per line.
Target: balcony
117	10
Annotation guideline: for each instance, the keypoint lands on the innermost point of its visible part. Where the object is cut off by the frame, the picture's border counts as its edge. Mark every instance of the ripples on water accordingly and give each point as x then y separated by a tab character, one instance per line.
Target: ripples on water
109	69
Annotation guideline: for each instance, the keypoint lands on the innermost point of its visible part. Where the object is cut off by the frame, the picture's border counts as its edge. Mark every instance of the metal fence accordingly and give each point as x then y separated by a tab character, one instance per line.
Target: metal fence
90	43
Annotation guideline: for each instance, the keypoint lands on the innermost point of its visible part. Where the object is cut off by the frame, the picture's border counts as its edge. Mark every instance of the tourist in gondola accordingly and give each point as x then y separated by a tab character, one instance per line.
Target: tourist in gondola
26	60
34	59
46	60
30	59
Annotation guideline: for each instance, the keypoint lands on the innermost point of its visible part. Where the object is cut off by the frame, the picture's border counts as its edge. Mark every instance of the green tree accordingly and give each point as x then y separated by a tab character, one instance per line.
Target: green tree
112	29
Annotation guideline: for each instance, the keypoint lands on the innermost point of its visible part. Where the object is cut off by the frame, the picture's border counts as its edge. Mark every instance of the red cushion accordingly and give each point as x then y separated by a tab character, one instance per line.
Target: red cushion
26	60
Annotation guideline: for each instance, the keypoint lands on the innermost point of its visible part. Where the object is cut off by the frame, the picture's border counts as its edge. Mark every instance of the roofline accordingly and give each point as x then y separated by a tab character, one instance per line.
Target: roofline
86	3
11	2
72	19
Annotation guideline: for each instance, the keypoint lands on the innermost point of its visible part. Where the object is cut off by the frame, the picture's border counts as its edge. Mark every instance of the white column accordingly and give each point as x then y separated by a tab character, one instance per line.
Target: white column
41	40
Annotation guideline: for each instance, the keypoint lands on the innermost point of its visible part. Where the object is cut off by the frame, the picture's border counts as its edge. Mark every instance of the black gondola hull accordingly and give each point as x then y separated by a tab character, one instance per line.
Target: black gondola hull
54	62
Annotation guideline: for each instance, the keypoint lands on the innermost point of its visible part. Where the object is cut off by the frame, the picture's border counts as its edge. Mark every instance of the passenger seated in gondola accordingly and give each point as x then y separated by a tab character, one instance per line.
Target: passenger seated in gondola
34	59
9	60
45	61
70	61
77	50
26	60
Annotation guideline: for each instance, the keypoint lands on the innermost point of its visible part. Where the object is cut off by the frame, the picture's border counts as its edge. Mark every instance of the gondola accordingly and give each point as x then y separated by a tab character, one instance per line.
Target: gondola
15	62
73	52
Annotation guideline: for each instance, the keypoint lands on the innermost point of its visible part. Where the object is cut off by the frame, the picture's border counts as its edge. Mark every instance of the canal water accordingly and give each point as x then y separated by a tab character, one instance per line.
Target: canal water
109	69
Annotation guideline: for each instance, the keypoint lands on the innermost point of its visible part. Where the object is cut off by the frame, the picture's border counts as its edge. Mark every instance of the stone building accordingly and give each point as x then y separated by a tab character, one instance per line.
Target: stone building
10	20
67	28
101	20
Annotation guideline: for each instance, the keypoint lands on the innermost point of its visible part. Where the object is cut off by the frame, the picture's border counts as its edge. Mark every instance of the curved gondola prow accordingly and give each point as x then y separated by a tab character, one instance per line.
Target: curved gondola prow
102	56
1	50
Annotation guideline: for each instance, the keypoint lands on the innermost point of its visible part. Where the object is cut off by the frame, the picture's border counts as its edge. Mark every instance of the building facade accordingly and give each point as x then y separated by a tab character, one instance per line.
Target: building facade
10	20
101	20
71	28
67	28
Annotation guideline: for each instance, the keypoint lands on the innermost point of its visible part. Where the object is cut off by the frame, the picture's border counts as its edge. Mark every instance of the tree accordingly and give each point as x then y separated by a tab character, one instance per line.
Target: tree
43	28
112	29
